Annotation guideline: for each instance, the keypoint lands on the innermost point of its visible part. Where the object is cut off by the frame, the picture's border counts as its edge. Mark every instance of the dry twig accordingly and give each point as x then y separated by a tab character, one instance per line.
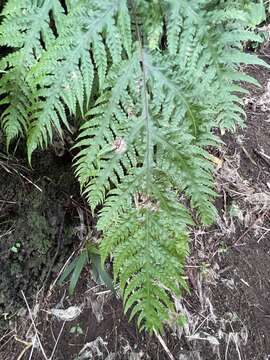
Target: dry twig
165	347
34	325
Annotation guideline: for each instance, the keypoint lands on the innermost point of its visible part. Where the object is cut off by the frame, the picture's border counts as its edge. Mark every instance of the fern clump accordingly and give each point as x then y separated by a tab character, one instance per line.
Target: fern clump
150	80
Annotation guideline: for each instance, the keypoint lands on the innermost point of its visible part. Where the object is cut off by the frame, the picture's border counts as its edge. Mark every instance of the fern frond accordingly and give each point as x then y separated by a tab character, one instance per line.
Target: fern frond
124	25
106	162
15	117
71	67
150	81
25	27
152	266
175	23
174	122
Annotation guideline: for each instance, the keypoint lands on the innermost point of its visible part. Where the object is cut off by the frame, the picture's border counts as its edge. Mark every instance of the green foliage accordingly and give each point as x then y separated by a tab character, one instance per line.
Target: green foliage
151	80
90	254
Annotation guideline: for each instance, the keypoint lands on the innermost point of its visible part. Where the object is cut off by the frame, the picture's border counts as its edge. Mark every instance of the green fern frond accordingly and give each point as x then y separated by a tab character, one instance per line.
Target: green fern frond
25	27
175	24
66	62
150	80
105	163
153	266
124	25
15	117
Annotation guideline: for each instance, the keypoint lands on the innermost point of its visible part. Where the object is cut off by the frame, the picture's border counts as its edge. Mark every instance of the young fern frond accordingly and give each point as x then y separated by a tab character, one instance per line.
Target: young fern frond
150	81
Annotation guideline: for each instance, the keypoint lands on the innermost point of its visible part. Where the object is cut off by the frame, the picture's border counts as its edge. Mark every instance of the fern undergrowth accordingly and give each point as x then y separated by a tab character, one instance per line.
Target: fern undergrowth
150	80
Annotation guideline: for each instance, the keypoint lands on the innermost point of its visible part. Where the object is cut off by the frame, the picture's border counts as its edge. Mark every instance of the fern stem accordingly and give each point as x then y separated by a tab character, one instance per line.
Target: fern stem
149	157
146	112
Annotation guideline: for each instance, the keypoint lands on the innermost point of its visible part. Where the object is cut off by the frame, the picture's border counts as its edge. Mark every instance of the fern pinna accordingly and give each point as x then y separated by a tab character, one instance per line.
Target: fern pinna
151	79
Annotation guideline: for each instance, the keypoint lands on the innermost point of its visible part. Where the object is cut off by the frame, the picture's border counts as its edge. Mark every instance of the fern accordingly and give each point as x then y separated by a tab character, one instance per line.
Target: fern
150	79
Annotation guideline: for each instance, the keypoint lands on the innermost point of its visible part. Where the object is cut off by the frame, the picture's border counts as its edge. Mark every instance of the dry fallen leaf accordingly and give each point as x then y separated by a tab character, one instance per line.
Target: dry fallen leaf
68	314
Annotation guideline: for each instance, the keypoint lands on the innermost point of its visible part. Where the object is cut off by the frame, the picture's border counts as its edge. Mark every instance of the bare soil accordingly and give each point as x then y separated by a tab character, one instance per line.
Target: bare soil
228	310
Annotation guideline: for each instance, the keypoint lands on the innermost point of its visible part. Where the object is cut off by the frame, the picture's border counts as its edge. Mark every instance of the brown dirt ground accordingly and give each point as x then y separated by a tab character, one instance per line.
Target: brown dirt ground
228	310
